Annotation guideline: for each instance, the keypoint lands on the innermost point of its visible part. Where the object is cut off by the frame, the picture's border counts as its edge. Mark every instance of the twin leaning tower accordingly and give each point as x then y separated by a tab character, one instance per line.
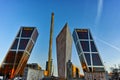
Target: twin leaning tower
18	54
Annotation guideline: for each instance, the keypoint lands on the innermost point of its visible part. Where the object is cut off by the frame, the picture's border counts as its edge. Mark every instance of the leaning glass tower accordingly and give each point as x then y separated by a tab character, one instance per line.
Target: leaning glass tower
19	53
89	56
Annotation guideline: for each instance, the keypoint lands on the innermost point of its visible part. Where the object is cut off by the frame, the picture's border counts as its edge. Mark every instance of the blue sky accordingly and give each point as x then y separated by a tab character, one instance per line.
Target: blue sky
102	17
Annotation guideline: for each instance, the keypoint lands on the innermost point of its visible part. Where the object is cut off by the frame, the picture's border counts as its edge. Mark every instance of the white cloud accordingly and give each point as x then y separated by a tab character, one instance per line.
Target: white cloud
99	11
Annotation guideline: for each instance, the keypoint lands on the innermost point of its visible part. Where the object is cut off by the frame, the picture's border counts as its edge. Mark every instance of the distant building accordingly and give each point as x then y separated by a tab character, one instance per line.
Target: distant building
75	72
115	74
64	48
89	56
34	66
19	53
33	72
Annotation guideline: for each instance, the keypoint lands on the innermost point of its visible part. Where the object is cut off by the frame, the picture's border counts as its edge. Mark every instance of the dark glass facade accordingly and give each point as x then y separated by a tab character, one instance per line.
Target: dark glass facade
82	34
93	48
14	46
87	56
18	55
87	51
85	46
27	32
96	60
